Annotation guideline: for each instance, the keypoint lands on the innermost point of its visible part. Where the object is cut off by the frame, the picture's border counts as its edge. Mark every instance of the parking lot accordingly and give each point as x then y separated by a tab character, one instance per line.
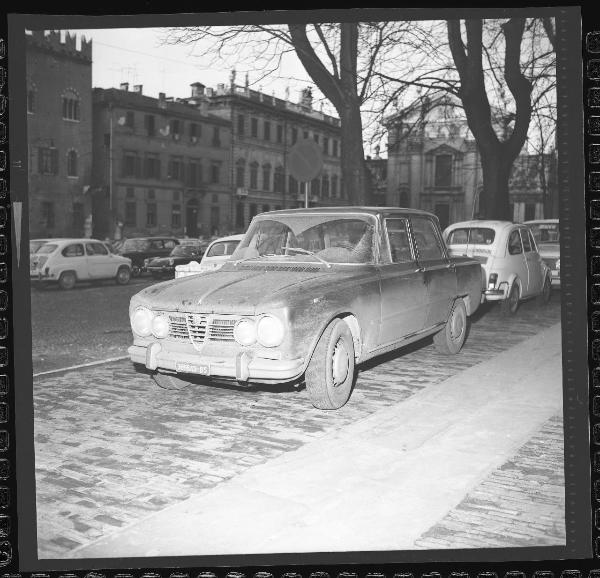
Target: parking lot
112	448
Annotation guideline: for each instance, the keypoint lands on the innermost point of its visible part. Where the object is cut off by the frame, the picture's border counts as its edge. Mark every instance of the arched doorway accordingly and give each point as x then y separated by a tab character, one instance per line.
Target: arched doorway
191	218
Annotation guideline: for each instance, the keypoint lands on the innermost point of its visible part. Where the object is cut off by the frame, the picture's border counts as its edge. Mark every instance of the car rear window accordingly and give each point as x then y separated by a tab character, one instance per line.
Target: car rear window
47	249
471	236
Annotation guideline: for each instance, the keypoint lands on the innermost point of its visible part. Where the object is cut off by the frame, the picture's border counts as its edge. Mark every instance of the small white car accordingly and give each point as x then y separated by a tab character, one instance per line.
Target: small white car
546	233
67	261
513	269
219	252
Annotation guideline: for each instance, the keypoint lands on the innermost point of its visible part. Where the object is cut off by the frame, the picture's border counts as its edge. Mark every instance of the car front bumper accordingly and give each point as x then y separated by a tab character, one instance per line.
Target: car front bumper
164	270
244	366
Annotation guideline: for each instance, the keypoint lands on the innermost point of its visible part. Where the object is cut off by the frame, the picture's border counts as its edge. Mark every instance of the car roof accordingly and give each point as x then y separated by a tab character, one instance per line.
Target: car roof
349	209
490	224
540	221
229	238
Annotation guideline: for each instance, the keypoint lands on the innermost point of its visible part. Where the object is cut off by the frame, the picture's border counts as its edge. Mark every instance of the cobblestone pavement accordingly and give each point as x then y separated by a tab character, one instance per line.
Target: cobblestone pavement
520	504
112	448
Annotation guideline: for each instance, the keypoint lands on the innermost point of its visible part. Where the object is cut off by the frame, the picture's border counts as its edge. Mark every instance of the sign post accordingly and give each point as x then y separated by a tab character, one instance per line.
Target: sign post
306	163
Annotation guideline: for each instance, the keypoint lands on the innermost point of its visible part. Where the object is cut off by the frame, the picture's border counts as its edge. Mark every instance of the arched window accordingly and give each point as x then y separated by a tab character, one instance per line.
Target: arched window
72	163
254	175
70	105
240	173
266	177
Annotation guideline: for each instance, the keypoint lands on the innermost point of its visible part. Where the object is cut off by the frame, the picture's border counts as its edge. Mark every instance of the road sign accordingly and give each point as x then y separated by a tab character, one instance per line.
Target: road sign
305	160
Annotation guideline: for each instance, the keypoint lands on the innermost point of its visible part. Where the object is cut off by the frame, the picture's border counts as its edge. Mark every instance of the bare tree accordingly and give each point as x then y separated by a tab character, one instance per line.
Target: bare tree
330	54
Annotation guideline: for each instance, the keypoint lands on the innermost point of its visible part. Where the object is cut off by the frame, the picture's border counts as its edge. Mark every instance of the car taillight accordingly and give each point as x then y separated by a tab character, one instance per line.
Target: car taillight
492	280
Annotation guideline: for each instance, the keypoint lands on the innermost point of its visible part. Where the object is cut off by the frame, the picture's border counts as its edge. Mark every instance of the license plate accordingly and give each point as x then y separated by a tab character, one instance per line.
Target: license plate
201	369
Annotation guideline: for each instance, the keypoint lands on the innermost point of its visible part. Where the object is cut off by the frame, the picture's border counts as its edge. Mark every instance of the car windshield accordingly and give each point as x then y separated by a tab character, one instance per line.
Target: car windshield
46	249
185	251
545	232
135	245
310	237
471	236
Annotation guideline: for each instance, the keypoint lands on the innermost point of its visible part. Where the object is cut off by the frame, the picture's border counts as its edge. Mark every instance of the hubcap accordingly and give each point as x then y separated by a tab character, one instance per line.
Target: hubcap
340	363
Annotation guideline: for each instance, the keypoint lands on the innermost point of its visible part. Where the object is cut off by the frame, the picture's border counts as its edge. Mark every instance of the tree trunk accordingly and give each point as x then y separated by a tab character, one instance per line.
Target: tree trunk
354	184
494	199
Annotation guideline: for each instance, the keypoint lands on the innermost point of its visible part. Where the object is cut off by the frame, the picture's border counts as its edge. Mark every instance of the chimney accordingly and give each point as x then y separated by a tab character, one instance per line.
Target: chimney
306	98
220	88
162	103
209	92
137	88
197	89
124	86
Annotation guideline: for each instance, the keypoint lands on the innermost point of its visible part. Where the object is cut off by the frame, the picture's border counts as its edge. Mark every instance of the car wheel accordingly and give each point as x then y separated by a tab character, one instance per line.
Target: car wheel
510	305
123	275
330	373
544	296
67	280
169	381
450	339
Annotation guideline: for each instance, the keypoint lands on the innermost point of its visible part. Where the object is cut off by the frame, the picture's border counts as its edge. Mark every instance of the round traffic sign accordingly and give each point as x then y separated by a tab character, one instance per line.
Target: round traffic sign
305	160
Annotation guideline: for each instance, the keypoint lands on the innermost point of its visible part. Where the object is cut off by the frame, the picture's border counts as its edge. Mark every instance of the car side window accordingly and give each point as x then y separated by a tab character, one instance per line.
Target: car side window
170	244
532	241
96	249
526	243
217	250
75	250
514	243
428	245
156	244
398	240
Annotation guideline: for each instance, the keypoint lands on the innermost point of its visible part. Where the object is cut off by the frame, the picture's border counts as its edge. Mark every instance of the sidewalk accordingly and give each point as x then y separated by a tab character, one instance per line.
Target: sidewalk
378	484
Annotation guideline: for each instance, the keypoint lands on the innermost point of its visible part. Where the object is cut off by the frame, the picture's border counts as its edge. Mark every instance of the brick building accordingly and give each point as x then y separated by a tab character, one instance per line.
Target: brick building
59	133
264	128
434	164
161	166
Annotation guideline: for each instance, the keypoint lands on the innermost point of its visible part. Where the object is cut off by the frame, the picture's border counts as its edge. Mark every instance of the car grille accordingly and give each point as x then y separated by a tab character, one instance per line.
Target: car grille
550	262
200	328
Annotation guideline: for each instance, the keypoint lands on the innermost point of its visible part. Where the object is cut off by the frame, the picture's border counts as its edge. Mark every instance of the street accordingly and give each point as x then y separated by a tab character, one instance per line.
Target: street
113	449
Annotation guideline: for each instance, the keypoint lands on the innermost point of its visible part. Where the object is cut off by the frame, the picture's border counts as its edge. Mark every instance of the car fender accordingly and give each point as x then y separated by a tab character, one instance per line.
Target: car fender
513	278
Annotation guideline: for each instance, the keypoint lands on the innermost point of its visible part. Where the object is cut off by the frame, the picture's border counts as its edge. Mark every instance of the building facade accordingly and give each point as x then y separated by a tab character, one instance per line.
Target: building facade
264	129
59	134
434	164
161	166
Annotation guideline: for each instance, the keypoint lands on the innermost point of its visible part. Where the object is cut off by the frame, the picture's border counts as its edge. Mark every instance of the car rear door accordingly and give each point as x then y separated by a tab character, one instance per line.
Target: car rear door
402	285
439	271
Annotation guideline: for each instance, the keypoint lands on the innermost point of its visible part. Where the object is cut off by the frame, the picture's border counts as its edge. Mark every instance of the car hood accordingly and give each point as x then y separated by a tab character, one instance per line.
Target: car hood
243	291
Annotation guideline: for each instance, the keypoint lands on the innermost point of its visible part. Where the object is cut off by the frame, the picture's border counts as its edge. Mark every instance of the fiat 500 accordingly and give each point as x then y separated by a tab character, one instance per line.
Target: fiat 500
510	261
308	295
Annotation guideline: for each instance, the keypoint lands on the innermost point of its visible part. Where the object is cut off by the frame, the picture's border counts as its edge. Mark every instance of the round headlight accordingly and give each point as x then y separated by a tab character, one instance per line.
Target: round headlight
141	321
244	332
269	331
160	326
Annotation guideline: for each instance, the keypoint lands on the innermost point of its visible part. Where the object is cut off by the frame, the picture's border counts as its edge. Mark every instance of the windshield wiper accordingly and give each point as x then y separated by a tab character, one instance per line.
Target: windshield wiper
307	252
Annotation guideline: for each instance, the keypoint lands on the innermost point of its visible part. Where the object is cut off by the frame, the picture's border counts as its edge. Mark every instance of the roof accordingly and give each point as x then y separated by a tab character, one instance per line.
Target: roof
480	223
349	209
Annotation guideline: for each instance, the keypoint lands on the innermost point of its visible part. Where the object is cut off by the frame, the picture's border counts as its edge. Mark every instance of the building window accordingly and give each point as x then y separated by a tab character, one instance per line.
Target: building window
48	214
151	214
334	186
195	131
254	175
194	173
404	198
70	106
149	124
215	219
130	119
293	186
175	129
267	130
215	198
72	163
266	177
305	134
131	212
266	208
216	139
176	217
334	145
239	215
78	218
325	185
325	145
240	173
253	211
529	212
31	101
279	133
443	170
241	125
131	165
47	161
152	166
278	180
316	137
215	172
315	187
294	135
176	169
254	127
151	194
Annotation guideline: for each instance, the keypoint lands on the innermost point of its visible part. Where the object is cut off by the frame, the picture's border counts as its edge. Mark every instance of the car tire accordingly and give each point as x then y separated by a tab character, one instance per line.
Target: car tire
123	276
451	338
67	280
330	374
544	297
510	305
169	381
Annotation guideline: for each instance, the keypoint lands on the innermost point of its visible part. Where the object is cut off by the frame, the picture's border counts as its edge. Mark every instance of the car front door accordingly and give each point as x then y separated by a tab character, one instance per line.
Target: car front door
100	264
402	286
440	273
75	260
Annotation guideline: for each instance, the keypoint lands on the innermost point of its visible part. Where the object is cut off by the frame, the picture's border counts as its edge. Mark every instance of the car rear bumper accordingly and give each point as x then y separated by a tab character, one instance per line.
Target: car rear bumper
496	294
244	366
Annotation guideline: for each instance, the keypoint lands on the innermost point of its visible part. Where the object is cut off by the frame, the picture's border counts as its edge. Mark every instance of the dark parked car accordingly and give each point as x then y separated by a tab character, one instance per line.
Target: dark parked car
307	295
140	249
180	255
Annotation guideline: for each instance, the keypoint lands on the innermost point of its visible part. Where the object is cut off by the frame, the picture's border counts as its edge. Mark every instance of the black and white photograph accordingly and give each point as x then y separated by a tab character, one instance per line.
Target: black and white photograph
299	283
